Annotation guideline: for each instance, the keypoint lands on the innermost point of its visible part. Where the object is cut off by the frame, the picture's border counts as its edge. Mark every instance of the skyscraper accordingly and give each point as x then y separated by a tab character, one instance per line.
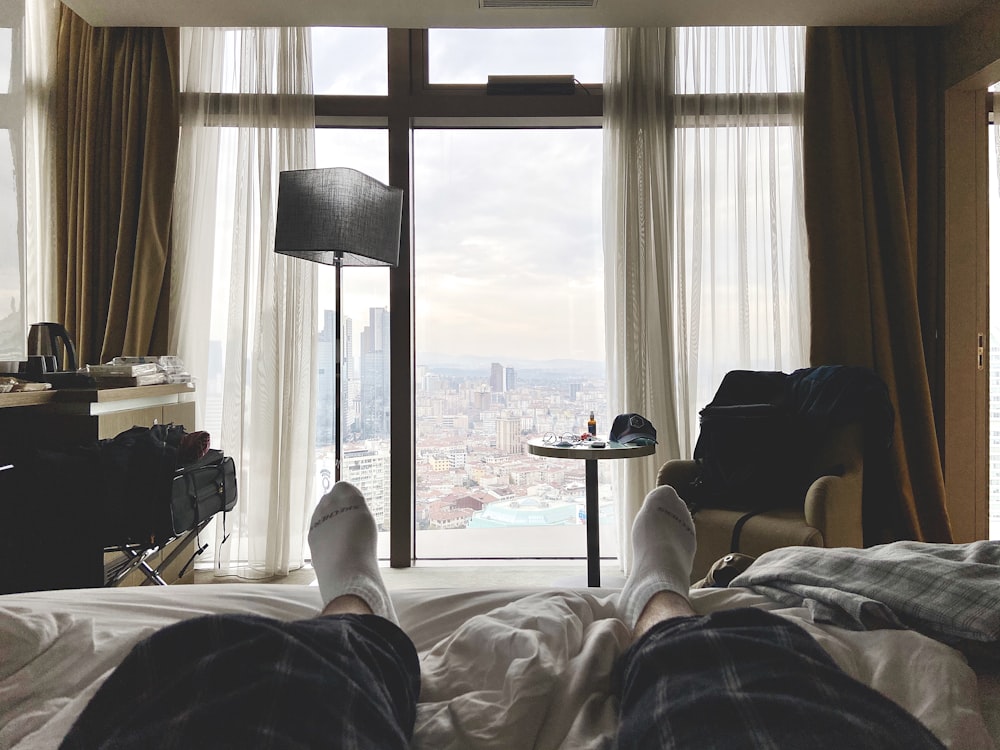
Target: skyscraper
496	377
351	395
375	375
509	379
326	381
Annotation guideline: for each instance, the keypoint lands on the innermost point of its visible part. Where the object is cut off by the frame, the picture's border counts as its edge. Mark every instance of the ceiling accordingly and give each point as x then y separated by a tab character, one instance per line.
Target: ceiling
552	13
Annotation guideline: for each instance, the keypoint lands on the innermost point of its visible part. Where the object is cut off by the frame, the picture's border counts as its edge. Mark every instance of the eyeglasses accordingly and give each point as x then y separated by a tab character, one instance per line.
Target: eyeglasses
551	438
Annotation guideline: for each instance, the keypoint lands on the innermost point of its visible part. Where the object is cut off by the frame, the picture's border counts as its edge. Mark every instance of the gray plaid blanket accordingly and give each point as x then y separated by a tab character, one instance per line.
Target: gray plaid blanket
950	592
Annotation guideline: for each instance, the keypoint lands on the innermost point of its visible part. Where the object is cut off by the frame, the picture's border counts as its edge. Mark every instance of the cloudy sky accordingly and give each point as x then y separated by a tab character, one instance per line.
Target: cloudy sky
507	222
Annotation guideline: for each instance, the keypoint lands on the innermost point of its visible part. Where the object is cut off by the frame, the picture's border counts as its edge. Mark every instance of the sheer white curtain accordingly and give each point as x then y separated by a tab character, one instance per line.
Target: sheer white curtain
41	26
705	246
638	273
244	318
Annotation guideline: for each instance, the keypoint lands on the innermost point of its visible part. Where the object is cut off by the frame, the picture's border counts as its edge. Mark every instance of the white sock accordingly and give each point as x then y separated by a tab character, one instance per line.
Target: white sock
663	545
343	539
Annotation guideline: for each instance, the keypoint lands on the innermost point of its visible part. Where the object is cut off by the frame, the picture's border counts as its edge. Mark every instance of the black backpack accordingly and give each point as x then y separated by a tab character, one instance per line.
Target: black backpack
752	446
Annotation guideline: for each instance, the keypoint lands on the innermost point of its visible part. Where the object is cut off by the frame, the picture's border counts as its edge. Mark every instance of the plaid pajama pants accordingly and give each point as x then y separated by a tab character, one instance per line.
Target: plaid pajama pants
737	679
746	678
248	682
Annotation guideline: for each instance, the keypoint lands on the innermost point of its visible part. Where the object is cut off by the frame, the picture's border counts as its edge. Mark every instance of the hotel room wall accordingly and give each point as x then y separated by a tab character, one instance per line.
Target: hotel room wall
972	44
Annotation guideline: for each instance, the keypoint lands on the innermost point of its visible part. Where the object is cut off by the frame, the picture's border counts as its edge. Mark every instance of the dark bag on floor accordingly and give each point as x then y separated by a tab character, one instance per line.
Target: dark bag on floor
202	489
150	492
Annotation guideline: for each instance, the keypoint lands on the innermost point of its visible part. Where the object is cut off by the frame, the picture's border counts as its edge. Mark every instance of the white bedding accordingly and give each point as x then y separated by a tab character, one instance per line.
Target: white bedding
501	669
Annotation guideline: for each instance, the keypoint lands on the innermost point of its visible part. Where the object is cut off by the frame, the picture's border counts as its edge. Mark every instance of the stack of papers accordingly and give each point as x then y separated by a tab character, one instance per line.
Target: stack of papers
122	370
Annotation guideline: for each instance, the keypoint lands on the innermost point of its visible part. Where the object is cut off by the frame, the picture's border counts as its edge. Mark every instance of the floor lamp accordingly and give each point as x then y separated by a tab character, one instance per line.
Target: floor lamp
338	217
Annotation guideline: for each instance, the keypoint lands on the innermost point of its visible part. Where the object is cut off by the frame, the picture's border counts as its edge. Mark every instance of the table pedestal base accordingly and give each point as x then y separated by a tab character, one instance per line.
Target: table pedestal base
593	527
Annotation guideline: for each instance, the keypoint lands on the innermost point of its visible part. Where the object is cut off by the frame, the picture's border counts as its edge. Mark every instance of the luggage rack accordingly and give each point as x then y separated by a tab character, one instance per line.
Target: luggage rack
136	557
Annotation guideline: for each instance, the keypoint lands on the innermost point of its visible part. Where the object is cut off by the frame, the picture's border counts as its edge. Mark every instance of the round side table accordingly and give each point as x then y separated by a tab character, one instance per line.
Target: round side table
583	451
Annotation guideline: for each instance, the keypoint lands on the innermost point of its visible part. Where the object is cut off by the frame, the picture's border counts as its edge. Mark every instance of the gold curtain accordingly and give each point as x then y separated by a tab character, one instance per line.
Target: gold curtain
116	155
871	154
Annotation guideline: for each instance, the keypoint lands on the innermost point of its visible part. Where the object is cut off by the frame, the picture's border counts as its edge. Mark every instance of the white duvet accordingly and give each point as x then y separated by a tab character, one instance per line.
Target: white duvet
500	669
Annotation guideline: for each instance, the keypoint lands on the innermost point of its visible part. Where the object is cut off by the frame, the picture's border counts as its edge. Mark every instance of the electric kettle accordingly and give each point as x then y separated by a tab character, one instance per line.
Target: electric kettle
44	339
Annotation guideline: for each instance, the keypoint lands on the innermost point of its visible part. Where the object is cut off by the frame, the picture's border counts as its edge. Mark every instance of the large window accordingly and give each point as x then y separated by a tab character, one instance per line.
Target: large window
506	277
509	337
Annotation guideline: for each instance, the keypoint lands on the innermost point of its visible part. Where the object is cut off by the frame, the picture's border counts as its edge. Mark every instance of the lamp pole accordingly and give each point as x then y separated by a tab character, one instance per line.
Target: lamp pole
338	359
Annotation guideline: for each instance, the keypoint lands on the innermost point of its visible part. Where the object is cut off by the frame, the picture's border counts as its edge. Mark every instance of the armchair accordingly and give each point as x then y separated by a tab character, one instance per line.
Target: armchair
831	511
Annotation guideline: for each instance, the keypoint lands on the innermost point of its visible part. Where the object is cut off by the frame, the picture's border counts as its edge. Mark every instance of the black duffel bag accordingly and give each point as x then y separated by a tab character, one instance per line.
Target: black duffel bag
201	489
152	489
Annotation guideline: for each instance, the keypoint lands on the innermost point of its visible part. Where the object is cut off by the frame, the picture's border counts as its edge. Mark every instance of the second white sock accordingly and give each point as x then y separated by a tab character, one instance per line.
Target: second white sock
663	546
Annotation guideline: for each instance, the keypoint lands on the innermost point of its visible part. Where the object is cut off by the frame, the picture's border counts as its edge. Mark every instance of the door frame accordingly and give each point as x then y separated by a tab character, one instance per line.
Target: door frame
966	290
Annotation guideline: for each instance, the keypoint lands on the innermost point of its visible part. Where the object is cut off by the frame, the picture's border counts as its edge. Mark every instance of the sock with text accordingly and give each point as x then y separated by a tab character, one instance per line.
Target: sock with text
663	546
343	539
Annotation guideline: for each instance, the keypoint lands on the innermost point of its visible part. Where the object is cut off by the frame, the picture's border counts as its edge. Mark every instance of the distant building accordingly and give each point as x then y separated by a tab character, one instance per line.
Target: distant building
368	470
375	375
326	362
446	513
469	502
526	477
496	377
481	400
349	383
438	462
509	435
510	379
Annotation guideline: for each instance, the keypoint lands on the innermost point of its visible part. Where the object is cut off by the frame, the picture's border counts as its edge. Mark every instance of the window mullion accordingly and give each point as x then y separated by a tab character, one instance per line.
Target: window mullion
402	412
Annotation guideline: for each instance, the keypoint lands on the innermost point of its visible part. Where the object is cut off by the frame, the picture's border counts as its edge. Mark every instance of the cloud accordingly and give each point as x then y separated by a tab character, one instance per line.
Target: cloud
508	254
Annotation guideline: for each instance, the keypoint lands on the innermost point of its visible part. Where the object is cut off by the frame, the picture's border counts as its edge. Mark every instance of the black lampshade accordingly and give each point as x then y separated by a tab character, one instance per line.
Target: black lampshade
338	216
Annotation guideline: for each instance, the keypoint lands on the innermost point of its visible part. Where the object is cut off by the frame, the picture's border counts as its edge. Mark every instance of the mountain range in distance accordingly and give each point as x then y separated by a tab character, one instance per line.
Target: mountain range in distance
468	366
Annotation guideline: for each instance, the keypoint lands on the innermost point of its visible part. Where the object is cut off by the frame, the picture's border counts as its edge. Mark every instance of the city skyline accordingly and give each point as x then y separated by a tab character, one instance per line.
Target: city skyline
472	469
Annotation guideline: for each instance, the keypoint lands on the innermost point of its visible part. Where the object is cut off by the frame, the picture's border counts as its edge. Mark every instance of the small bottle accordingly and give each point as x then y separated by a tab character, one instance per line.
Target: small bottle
592	425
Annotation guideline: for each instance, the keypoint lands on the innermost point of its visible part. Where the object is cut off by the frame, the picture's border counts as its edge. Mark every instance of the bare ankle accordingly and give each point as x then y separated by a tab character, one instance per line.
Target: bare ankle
347	604
664	605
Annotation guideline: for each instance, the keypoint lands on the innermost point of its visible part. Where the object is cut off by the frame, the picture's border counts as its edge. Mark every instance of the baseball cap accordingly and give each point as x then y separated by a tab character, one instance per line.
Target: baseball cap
632	428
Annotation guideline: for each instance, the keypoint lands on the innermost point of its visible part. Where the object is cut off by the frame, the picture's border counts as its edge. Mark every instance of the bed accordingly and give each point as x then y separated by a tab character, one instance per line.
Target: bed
505	668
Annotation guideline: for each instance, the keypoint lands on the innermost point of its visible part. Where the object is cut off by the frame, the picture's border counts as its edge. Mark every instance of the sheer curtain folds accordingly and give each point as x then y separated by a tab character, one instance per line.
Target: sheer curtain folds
244	318
705	248
638	252
41	22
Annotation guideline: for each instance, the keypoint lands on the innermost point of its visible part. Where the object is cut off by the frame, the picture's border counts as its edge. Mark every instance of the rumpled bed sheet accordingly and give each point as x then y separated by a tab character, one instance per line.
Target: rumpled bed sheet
501	669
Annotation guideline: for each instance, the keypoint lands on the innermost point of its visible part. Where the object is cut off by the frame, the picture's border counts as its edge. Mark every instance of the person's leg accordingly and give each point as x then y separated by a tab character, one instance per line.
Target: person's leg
743	678
343	539
663	547
346	678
